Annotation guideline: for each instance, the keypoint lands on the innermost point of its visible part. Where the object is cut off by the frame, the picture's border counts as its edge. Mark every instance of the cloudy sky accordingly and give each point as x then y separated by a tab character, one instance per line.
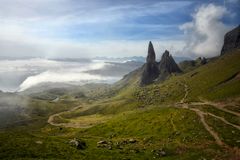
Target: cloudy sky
80	28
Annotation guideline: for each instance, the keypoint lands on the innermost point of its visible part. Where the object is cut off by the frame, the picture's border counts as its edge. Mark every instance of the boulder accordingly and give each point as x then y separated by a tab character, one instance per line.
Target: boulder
131	140
102	142
79	144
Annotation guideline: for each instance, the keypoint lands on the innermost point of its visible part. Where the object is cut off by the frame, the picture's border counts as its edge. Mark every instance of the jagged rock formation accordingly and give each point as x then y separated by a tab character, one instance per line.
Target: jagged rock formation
151	57
167	64
158	71
231	40
150	71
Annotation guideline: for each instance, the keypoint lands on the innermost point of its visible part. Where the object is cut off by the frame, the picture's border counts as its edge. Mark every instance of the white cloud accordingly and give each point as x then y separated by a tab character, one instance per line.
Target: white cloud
23	74
18	41
63	77
39	27
205	33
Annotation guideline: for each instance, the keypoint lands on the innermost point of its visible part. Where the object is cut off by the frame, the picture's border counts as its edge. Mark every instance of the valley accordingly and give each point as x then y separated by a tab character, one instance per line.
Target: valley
188	116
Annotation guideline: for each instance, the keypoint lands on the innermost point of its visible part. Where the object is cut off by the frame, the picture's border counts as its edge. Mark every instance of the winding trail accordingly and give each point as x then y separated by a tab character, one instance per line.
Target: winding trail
186	93
208	128
221	107
183	104
52	117
172	123
202	114
225	121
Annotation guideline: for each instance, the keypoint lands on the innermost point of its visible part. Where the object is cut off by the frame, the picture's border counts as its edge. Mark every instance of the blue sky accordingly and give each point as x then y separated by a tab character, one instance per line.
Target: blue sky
79	28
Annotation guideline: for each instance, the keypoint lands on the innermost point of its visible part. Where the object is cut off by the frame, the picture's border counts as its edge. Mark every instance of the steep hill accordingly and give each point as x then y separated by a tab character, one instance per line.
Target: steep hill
190	115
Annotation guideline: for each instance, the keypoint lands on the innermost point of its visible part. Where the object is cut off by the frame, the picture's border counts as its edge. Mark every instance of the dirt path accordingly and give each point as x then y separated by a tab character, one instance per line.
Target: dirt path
207	127
186	93
225	121
202	114
172	123
52	117
221	107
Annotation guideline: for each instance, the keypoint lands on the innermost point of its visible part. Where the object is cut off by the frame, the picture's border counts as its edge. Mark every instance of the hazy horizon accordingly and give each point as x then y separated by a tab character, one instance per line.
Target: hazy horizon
21	74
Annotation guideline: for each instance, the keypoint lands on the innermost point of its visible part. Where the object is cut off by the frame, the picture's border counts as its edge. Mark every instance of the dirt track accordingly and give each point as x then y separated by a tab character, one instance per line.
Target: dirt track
202	114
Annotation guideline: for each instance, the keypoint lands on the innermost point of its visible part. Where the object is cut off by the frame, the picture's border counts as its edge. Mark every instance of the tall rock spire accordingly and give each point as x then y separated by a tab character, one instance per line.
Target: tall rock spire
150	72
151	57
154	71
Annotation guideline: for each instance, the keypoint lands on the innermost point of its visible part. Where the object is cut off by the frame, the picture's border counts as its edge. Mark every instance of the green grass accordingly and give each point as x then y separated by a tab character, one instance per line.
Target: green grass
227	116
152	128
233	108
229	134
207	83
126	111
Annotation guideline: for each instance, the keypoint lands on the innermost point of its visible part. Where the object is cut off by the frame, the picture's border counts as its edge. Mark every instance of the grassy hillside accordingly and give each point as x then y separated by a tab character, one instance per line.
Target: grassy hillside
217	80
195	115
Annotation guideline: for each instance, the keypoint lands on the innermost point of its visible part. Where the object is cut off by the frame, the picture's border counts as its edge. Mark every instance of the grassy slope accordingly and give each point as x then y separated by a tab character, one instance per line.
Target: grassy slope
138	113
205	81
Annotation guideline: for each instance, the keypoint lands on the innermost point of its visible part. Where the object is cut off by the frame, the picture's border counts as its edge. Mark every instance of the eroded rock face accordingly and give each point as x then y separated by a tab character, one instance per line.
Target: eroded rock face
150	72
151	57
158	71
167	64
231	40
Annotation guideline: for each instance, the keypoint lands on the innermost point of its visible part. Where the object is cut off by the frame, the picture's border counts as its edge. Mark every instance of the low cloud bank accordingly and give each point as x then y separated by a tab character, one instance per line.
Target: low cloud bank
63	77
19	75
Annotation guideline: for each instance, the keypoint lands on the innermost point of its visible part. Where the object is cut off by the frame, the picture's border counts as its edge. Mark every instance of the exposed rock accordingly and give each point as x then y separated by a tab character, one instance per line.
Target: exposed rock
102	142
167	64
132	140
231	40
158	71
159	153
151	57
190	65
151	71
105	144
79	144
203	60
39	142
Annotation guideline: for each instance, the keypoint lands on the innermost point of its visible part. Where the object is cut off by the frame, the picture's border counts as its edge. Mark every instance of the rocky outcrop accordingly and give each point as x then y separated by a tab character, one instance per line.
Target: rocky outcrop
150	72
167	64
79	144
189	65
154	71
151	57
231	40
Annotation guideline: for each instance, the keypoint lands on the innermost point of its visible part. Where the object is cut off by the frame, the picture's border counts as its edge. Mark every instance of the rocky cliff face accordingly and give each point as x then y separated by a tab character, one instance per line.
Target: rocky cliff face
231	40
158	70
151	57
150	72
167	64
